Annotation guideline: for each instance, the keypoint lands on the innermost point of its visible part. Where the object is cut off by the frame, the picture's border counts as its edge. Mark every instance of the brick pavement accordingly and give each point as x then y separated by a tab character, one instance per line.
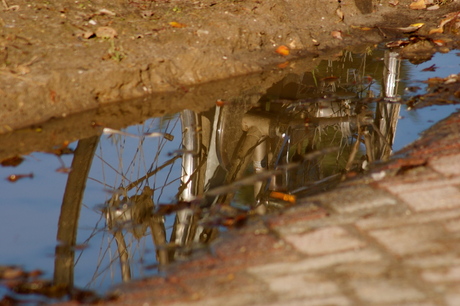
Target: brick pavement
391	237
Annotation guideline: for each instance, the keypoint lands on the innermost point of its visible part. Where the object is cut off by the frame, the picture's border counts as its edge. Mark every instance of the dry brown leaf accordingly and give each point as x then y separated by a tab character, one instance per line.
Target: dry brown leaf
418	5
393	2
106	32
337	34
339	13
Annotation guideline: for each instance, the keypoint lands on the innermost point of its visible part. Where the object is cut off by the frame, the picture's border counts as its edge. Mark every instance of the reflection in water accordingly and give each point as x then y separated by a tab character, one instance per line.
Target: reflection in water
297	139
169	189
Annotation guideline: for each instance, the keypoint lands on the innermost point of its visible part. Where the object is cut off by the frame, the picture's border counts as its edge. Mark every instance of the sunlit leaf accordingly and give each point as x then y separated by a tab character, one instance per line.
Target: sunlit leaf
418	5
439	42
412	28
283	196
175	24
283	50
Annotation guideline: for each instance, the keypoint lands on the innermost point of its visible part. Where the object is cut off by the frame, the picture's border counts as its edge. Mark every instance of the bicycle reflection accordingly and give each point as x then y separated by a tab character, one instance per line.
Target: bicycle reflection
240	159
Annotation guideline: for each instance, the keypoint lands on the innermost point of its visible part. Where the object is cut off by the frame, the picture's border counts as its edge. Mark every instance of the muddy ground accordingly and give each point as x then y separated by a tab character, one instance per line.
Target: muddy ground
59	58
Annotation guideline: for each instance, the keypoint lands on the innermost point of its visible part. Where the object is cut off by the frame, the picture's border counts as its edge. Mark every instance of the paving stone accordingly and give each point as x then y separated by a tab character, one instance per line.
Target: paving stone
407	219
452	299
433	261
361	197
417	184
412	239
324	240
302	227
329	301
301	286
315	263
432	199
447	165
448	274
361	270
233	299
452	225
383	291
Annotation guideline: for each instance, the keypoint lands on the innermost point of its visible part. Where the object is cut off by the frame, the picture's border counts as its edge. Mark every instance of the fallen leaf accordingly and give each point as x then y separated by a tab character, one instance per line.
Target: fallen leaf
339	13
418	5
177	24
437	30
393	2
283	65
87	34
12	161
283	196
15	177
439	42
448	18
106	32
397	43
431	68
337	34
283	50
411	28
433	7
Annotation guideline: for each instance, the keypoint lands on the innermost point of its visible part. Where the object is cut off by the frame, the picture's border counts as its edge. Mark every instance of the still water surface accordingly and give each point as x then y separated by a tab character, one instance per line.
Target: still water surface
31	207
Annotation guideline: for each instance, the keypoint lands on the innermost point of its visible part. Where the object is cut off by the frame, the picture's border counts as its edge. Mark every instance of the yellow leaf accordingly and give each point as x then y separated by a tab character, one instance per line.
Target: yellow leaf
361	28
177	24
283	50
437	30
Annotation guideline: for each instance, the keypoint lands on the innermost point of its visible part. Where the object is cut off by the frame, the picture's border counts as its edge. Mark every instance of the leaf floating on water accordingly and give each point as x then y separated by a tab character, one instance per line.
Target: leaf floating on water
431	68
418	5
283	50
64	170
16	177
11	272
12	161
157	134
397	43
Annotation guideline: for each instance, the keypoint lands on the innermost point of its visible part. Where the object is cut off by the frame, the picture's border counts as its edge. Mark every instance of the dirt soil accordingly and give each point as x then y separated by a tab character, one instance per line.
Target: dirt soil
63	57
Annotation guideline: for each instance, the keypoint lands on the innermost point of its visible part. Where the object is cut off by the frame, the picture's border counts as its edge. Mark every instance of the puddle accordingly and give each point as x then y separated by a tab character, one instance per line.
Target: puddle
300	134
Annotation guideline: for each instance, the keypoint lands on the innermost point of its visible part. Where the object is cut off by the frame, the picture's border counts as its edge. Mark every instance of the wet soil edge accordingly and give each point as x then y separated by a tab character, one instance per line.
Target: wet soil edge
64	74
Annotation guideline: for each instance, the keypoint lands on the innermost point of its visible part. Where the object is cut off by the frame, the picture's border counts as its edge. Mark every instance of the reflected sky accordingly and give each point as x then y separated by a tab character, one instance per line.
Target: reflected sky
415	121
